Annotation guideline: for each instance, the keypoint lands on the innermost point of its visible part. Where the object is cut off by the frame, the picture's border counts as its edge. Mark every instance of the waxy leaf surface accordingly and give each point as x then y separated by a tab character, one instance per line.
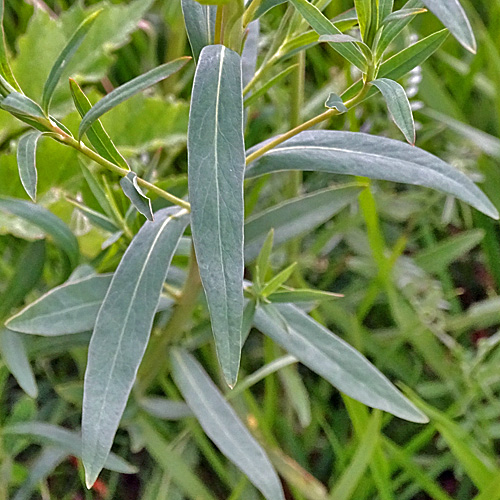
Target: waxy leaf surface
223	426
200	24
216	164
122	332
374	157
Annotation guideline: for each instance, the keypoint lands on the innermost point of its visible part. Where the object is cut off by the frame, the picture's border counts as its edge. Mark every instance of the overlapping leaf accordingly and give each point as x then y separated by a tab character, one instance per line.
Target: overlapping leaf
122	332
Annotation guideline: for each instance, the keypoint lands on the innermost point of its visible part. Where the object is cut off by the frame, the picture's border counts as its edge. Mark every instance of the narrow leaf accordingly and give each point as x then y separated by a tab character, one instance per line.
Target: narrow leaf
122	332
216	164
398	105
200	24
335	102
278	280
365	17
323	26
301	295
5	69
68	308
15	358
296	217
166	409
98	137
94	217
374	157
384	9
262	264
223	426
64	59
47	221
26	161
332	358
250	52
453	16
63	438
20	105
403	14
134	193
129	89
266	5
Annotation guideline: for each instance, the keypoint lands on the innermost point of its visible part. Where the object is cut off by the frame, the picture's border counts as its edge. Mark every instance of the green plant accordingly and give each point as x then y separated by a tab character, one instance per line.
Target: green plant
122	308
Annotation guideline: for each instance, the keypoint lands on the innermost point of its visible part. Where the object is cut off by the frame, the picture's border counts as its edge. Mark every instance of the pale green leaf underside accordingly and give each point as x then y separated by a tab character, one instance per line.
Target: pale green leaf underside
122	332
216	164
334	359
453	16
398	105
134	193
374	157
26	162
13	354
223	426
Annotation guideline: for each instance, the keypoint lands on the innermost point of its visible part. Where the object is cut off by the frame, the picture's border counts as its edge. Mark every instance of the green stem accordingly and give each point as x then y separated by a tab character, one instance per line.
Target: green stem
218	25
250	12
89	153
307	125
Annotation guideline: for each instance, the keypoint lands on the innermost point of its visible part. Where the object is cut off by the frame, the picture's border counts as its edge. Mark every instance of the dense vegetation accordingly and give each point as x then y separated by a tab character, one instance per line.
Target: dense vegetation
121	215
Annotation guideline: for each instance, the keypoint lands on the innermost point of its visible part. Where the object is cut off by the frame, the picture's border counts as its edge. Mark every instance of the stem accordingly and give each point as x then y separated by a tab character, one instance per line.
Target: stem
89	153
307	125
155	354
250	12
218	25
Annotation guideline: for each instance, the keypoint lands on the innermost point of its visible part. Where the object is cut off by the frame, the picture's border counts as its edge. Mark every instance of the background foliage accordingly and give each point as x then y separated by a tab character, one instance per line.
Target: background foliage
420	276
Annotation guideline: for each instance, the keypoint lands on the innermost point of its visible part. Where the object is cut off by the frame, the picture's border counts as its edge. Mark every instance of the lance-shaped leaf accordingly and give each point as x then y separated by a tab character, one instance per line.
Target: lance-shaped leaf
296	217
22	106
250	52
96	133
333	359
216	164
64	58
323	26
134	193
166	409
94	217
403	14
68	308
129	89
13	353
453	16
67	440
374	157
384	9
398	105
5	69
26	161
266	5
122	332
47	222
394	24
223	426
200	24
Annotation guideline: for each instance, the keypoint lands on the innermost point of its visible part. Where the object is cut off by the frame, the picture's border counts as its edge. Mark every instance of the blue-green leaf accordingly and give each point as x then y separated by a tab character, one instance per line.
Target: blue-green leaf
94	217
22	106
200	24
323	26
69	308
332	358
128	90
67	440
453	16
296	217
15	358
335	102
134	193
374	157
216	164
166	409
122	332
64	58
398	105
47	222
223	426
26	161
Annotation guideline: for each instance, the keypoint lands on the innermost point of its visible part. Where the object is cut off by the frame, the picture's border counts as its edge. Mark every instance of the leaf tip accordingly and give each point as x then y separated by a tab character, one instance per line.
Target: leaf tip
90	479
